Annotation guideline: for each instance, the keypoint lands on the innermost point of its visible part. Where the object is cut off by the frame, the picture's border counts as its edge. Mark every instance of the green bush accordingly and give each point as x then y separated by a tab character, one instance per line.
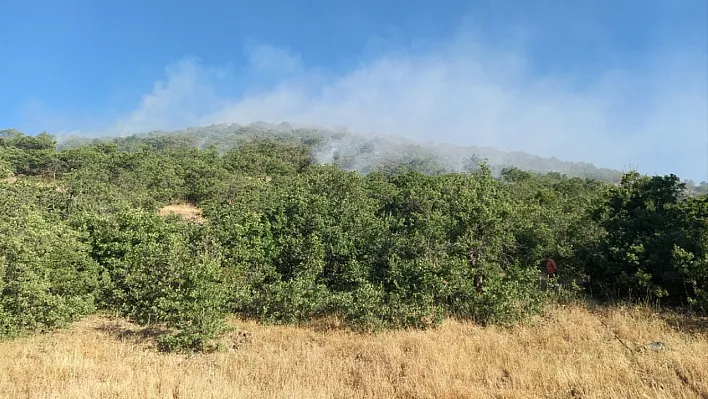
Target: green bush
379	253
158	271
655	242
6	169
47	277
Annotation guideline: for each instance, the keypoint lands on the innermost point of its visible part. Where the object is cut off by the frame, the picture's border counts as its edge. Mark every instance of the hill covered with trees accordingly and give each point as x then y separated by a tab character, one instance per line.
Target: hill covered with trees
298	224
364	153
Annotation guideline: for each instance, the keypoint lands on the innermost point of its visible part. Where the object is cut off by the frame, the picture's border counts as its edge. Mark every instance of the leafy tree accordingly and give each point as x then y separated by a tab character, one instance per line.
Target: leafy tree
47	277
693	256
29	155
651	241
264	157
6	169
156	271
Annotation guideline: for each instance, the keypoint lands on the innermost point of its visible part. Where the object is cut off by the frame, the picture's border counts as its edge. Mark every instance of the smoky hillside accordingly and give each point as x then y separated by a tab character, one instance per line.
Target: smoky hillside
358	152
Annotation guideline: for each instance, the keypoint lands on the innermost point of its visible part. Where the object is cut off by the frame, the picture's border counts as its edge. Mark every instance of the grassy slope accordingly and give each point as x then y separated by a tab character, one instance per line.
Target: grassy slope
568	352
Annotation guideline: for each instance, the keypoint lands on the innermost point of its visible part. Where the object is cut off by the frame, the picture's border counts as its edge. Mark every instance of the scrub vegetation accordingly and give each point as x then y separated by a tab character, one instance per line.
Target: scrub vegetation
430	277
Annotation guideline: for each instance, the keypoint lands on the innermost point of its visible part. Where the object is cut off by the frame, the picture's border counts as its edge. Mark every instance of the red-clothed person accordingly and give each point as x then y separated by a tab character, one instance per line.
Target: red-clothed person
551	268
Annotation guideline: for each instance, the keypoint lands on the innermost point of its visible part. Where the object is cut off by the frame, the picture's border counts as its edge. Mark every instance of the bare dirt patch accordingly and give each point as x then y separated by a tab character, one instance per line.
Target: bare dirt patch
187	211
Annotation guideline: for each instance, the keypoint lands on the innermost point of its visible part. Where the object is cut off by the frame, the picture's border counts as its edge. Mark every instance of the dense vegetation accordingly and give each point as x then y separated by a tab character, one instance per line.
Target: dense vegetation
284	239
364	154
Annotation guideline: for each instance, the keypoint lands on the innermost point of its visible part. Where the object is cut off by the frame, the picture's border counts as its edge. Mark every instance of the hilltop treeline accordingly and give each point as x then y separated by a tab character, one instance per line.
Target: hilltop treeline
356	152
284	239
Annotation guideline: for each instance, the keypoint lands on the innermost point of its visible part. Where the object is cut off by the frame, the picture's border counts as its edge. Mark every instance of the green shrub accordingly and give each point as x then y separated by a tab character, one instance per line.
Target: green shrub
47	277
655	244
158	271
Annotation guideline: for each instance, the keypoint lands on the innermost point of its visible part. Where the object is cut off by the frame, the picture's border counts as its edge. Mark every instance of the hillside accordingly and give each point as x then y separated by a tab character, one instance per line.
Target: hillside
169	235
365	153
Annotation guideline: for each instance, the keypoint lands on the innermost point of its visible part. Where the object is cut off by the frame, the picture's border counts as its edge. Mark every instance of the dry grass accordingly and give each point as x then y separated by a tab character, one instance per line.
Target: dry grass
187	211
569	352
9	180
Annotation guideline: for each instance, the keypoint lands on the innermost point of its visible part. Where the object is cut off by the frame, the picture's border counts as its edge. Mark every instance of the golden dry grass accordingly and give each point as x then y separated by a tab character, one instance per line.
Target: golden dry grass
567	353
187	211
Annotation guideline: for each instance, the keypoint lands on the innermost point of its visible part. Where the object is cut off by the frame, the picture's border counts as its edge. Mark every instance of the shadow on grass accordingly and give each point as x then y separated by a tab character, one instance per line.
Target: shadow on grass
149	335
686	322
123	330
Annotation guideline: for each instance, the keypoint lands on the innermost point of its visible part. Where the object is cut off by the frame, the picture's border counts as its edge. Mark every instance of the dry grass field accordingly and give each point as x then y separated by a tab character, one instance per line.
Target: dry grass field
569	352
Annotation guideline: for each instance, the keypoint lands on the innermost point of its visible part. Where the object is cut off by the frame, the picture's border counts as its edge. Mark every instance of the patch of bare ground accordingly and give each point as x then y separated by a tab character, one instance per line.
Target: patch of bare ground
569	352
266	179
187	211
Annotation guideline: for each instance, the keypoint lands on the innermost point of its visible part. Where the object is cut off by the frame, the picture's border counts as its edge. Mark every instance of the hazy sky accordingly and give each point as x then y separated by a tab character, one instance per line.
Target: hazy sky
617	83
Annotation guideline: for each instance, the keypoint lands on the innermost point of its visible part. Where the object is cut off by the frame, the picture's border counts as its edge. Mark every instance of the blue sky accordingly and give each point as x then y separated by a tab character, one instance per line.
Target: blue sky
617	83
